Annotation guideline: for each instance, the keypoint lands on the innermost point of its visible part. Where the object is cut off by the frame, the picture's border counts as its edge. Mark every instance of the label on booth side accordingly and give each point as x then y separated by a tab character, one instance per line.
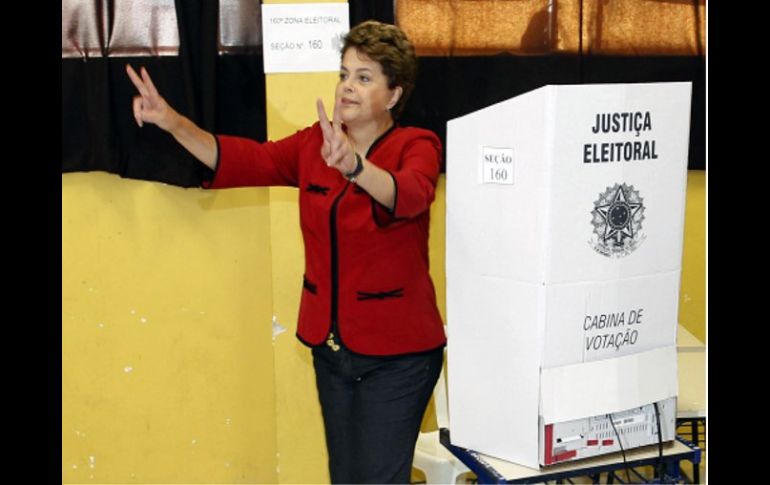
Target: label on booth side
496	165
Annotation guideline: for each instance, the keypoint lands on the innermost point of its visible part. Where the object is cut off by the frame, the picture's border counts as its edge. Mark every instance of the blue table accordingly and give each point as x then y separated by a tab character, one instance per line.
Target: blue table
492	470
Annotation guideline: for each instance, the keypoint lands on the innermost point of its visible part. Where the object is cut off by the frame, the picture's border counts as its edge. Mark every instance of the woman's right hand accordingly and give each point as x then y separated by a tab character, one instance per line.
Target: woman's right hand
149	106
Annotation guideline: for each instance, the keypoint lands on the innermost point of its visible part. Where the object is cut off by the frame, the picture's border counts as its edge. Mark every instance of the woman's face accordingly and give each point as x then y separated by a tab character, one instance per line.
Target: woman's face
362	91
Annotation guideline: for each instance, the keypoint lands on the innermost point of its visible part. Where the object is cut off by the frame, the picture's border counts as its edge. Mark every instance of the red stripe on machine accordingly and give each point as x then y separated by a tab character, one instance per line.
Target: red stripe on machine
548	444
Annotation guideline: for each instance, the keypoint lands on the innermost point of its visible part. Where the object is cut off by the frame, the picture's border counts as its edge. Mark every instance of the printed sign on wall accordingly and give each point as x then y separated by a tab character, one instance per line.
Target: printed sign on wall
305	37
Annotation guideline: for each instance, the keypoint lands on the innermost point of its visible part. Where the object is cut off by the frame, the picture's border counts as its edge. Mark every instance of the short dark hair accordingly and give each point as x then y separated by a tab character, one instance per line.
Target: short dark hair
387	45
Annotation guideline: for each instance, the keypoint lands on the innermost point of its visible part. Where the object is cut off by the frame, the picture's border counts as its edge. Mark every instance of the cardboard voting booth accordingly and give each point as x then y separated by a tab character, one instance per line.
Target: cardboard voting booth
564	228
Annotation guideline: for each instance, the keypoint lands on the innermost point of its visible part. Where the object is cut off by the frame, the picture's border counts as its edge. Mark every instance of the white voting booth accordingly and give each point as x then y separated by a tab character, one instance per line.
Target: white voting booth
564	227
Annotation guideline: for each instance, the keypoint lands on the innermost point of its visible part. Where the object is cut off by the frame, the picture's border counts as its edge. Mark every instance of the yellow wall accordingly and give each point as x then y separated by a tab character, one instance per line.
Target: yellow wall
692	295
169	373
167	362
302	449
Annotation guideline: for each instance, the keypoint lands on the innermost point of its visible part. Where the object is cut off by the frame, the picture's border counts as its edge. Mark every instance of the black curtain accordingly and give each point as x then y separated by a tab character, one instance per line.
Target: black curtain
449	87
361	10
222	94
226	94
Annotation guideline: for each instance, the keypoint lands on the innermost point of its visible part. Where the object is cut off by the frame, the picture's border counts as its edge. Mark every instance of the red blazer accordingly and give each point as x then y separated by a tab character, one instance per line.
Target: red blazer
366	268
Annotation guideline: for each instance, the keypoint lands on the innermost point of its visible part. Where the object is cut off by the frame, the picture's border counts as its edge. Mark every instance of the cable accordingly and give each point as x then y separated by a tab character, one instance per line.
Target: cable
660	442
625	463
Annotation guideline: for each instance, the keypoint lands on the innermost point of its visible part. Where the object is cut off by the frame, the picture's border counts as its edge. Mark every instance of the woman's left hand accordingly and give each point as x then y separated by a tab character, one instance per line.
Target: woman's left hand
336	151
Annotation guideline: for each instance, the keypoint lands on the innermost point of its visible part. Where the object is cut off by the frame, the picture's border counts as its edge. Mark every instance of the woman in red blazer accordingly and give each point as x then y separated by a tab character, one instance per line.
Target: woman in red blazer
368	308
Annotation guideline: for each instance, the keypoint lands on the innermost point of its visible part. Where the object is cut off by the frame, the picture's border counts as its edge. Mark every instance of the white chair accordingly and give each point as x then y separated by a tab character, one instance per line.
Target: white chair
430	456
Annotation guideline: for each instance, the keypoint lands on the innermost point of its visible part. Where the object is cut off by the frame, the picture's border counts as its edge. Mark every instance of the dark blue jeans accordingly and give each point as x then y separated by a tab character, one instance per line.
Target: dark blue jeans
372	409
